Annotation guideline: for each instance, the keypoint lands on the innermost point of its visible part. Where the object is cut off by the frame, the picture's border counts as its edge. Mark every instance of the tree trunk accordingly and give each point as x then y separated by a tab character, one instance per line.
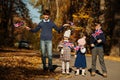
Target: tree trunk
57	13
115	49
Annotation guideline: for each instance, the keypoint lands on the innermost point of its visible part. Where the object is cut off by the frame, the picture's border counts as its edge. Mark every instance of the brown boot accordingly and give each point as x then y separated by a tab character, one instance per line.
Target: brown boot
105	75
93	74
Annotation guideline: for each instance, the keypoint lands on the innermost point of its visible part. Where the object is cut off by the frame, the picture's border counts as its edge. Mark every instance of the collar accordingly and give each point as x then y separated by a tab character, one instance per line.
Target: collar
46	21
66	40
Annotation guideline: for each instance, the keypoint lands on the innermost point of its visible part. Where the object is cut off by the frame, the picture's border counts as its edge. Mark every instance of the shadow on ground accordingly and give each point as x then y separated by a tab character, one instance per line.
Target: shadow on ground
24	73
97	72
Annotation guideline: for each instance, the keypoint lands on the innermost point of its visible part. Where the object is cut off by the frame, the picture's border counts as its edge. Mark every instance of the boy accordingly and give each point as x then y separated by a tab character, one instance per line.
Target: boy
46	26
97	41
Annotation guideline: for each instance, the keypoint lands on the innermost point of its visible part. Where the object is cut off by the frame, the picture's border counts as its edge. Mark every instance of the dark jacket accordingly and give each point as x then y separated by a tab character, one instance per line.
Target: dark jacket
46	29
93	40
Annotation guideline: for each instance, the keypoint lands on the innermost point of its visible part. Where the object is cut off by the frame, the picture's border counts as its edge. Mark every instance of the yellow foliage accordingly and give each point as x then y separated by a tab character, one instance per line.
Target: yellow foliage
74	15
81	15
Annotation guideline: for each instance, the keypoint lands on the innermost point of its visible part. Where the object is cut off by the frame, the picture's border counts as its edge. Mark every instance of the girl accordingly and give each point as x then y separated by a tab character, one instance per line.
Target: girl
66	52
80	61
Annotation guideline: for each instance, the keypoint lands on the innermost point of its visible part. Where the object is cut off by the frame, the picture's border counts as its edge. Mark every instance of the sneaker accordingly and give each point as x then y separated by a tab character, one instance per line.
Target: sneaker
93	74
104	75
68	73
76	74
83	74
63	72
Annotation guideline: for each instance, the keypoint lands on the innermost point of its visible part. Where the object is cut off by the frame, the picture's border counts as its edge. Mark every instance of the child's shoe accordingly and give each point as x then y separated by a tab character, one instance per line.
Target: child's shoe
77	72
83	72
63	71
67	71
104	75
93	74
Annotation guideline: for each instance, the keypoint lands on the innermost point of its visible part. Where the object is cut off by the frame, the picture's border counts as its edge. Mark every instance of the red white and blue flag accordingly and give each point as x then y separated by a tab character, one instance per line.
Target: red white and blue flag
68	44
97	33
19	24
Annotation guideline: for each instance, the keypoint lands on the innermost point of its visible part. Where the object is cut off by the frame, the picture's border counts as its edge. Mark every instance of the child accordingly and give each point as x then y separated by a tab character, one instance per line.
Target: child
97	42
80	61
46	26
66	52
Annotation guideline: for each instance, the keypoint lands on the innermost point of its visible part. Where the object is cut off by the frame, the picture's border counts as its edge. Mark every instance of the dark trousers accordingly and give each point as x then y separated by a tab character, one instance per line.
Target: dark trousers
98	51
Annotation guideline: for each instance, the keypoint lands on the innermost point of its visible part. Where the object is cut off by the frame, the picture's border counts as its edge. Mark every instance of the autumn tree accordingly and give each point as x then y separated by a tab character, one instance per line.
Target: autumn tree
106	12
82	12
114	25
9	10
59	13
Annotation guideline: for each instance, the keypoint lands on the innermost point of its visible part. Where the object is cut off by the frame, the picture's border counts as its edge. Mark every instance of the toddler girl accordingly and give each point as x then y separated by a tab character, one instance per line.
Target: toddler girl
66	52
80	61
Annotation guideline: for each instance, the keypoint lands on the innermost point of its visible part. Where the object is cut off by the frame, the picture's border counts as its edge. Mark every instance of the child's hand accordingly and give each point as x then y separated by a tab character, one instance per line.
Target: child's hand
61	56
72	45
28	28
92	45
66	25
99	41
75	56
62	51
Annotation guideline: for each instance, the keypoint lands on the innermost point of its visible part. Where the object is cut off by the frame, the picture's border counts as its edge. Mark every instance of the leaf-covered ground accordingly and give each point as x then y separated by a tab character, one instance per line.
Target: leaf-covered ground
22	65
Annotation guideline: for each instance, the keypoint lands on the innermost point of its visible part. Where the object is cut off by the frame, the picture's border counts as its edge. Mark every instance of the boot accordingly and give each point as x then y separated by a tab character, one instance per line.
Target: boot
83	72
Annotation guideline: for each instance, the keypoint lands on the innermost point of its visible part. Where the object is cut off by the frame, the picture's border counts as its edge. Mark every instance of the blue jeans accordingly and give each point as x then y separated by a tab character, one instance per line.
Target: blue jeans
46	46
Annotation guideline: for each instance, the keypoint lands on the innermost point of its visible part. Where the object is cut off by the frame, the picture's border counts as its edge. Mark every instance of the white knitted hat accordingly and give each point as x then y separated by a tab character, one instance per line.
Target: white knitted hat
67	33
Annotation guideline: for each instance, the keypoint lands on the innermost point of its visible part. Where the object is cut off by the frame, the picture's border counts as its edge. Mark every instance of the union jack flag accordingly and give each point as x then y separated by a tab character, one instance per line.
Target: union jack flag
18	24
97	32
68	44
77	48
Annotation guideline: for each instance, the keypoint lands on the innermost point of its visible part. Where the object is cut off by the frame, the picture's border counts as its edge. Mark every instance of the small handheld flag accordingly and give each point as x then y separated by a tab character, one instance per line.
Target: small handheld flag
98	32
19	24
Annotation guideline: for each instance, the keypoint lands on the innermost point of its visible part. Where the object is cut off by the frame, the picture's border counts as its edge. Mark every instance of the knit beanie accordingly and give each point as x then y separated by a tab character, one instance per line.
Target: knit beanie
67	33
